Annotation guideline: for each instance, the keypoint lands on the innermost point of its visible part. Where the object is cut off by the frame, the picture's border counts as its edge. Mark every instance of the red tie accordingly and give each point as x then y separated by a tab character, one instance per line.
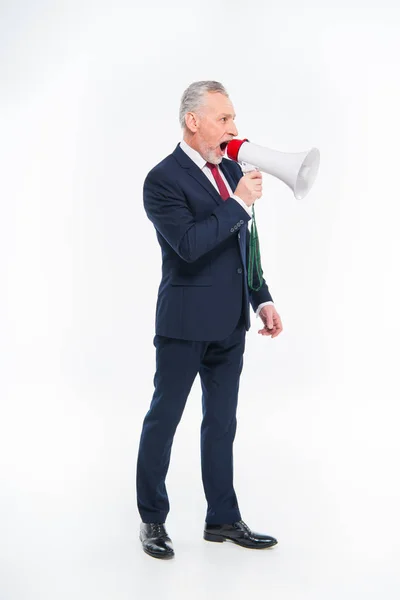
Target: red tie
220	182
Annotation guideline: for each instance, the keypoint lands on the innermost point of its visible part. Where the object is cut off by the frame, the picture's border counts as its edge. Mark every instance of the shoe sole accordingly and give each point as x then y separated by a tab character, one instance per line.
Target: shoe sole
161	556
213	537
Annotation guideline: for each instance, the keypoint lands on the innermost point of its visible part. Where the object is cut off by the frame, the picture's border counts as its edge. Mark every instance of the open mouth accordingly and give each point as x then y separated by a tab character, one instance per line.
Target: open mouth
223	146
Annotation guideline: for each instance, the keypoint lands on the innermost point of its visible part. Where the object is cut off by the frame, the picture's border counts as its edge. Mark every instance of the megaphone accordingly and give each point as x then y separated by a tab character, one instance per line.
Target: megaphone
297	169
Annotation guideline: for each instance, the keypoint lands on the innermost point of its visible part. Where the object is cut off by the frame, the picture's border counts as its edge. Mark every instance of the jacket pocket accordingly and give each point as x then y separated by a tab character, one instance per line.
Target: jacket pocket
202	280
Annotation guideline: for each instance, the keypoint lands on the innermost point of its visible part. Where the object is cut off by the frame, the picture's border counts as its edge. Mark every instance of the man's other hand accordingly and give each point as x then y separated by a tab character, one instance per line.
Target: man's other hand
272	321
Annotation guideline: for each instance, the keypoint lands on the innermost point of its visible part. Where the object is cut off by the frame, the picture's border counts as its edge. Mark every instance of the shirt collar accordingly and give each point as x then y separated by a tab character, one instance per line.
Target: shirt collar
193	154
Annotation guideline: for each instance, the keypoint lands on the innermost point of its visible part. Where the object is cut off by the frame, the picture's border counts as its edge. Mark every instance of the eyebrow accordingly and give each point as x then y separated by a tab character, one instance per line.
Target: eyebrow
227	115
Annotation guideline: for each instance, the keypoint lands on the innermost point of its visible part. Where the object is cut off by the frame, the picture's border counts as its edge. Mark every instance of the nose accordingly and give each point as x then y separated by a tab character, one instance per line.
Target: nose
233	130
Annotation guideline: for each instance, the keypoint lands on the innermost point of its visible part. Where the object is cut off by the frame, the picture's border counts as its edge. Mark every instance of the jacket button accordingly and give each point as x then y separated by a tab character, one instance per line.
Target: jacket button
241	222
239	270
232	230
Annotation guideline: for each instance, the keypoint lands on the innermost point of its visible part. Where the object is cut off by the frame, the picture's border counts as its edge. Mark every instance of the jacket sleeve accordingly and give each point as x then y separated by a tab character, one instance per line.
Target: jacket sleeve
166	207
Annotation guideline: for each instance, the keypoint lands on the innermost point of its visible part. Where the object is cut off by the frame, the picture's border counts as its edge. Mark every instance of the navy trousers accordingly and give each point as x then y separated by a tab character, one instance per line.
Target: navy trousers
219	364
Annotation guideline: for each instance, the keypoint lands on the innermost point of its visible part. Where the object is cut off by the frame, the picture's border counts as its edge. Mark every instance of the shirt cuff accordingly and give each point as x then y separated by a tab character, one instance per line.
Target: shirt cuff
243	204
259	307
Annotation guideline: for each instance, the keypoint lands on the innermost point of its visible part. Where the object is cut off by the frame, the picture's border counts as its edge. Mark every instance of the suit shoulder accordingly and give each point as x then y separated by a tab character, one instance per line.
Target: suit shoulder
161	169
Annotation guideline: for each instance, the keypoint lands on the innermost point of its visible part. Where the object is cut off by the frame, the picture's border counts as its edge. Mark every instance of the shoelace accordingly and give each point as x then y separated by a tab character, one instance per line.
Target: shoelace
157	529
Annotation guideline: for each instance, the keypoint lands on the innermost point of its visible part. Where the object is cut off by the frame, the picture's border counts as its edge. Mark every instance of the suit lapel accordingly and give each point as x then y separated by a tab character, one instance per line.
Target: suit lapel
197	174
201	178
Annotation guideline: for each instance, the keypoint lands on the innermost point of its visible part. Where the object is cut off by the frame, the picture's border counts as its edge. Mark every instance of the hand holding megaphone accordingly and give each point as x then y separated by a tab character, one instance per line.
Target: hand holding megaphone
249	188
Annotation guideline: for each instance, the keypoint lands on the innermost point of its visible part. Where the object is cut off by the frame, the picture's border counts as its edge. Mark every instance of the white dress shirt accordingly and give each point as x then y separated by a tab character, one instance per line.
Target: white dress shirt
201	163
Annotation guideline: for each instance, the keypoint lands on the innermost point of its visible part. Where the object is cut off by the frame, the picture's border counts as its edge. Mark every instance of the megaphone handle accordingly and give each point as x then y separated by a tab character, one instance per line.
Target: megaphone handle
247	167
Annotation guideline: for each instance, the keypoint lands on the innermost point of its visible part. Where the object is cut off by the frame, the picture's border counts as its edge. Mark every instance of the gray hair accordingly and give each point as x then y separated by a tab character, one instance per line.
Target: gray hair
193	97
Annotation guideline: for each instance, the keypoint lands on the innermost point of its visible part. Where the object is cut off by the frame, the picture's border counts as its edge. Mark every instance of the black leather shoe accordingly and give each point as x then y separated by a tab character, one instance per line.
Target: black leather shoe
155	540
239	533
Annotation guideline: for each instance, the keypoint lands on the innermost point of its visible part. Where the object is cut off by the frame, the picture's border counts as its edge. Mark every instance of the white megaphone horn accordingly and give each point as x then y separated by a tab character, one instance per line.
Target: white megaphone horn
297	169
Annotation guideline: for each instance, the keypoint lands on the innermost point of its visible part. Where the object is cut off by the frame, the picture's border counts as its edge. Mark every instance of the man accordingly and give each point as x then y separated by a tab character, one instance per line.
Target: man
200	204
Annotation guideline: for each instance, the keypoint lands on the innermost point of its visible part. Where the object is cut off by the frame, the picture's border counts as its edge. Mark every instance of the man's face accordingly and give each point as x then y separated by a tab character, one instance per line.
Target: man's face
214	125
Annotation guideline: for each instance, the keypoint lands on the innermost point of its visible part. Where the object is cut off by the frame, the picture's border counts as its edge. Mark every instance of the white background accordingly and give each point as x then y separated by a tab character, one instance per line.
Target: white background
90	95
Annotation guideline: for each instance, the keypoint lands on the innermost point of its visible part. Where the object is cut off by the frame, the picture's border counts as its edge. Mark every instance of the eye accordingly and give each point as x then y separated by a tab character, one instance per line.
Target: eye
223	119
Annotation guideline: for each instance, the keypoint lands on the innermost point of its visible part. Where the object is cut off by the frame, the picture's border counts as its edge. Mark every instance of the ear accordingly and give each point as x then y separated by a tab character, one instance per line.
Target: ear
192	121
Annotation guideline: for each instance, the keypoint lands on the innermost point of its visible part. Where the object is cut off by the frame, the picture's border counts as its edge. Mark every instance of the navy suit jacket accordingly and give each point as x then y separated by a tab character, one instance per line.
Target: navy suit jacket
204	245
